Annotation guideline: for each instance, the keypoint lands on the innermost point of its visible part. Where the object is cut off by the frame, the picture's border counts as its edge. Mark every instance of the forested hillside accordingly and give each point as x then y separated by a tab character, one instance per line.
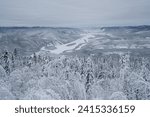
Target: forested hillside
105	76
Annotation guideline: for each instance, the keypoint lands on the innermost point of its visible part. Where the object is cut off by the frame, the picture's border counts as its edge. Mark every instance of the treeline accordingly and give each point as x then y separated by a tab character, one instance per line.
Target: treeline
11	61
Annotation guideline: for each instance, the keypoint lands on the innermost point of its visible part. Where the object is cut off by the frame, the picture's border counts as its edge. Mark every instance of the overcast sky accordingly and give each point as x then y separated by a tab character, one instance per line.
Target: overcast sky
74	12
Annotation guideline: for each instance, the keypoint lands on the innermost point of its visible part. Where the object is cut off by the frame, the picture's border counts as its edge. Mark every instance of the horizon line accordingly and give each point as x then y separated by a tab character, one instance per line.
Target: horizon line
73	26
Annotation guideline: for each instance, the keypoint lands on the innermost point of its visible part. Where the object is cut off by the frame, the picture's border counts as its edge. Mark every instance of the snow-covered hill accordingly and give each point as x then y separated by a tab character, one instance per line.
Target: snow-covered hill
69	47
68	40
30	40
105	39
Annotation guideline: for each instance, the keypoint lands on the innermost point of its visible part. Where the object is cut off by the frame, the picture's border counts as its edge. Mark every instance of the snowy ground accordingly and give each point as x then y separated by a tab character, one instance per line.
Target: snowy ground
98	40
77	44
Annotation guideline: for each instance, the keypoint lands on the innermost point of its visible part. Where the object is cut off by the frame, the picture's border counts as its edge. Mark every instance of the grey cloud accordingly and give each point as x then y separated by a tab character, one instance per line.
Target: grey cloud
74	12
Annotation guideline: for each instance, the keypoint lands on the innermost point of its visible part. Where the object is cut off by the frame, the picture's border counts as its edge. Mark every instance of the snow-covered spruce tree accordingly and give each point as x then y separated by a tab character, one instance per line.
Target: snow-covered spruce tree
16	60
4	86
12	61
144	72
15	53
35	58
125	71
2	73
89	83
6	62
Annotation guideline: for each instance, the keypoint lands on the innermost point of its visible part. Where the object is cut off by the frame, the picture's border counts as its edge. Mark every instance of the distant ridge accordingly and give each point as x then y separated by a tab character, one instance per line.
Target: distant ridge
114	27
19	27
133	28
34	27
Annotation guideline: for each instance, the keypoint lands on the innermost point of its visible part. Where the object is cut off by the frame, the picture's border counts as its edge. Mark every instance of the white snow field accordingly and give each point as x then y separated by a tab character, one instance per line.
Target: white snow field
77	44
99	40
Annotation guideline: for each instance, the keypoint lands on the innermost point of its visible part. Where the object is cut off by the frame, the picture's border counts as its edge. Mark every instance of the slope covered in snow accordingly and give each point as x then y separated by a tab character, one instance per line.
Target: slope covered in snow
77	44
102	39
31	39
